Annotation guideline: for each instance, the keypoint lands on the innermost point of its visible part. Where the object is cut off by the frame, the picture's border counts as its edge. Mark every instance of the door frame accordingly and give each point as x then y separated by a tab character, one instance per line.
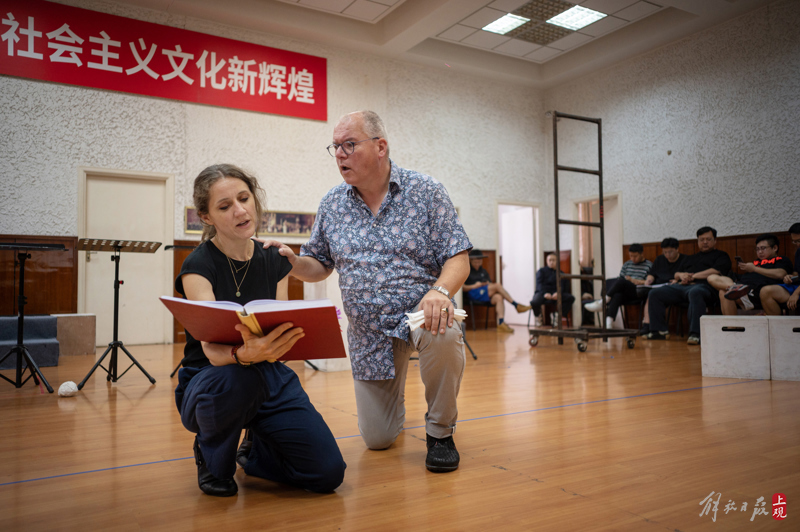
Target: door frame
535	218
87	173
575	237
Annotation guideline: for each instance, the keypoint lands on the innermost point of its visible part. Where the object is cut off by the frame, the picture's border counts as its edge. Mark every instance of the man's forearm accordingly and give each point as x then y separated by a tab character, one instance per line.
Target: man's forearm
777	273
309	270
705	273
454	272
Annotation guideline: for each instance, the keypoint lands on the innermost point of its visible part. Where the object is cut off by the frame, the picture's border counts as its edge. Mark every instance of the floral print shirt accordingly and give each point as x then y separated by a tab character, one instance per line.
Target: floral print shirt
386	263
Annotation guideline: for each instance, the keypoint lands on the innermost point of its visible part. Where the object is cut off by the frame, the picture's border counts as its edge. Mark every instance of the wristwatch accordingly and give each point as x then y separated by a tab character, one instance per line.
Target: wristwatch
441	290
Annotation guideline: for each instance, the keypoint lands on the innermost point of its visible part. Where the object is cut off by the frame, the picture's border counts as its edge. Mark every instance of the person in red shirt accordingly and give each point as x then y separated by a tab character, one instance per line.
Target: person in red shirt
770	268
788	293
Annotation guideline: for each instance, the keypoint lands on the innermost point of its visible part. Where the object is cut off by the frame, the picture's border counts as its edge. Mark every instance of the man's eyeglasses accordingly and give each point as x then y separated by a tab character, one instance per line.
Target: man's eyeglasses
763	248
348	146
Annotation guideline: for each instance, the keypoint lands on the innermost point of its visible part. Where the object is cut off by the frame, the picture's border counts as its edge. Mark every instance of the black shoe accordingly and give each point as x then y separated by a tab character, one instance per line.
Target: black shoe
209	484
244	448
442	454
645	330
655	335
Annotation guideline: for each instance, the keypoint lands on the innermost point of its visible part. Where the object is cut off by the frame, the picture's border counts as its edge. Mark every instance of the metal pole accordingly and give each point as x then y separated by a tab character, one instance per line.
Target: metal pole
21	317
602	225
557	226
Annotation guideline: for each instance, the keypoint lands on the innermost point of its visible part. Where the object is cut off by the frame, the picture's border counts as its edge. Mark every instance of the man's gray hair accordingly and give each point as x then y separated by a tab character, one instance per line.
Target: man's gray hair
373	125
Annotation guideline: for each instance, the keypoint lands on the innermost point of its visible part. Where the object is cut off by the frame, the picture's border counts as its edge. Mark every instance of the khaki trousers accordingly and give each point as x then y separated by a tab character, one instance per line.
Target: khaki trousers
381	404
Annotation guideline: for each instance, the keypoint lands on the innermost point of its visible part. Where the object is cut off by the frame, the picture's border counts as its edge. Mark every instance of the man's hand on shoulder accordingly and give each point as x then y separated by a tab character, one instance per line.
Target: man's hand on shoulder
283	249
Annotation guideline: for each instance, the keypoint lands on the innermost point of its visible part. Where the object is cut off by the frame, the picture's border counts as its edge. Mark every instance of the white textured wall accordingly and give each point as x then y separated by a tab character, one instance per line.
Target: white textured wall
457	128
726	102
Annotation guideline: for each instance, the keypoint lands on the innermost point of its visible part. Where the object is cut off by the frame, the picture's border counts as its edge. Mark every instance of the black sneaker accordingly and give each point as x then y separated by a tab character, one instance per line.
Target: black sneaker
645	330
442	454
656	335
244	448
209	484
736	291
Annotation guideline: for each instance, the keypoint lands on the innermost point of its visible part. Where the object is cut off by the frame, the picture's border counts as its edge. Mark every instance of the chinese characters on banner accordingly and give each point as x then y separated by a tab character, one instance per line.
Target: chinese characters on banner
711	505
64	44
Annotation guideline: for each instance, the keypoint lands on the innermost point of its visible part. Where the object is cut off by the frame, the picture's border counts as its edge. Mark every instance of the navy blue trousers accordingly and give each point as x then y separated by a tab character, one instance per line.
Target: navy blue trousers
699	296
621	291
292	444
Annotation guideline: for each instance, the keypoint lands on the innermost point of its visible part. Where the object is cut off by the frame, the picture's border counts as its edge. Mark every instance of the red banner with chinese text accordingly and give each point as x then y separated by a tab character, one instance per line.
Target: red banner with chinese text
64	44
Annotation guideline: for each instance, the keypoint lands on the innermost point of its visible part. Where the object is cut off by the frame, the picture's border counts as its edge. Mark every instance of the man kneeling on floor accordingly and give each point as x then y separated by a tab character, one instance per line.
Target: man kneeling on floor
692	287
769	269
478	287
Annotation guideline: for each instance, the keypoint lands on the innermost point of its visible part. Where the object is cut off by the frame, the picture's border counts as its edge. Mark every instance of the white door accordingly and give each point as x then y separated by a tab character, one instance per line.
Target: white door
613	242
516	226
122	207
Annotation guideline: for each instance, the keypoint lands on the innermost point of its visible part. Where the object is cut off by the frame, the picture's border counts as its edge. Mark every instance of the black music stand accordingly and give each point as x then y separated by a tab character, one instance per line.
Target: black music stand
116	247
21	351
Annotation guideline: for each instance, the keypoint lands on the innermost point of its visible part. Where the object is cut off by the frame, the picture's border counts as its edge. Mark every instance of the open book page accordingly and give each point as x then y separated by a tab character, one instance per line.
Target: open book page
224	305
215	322
272	305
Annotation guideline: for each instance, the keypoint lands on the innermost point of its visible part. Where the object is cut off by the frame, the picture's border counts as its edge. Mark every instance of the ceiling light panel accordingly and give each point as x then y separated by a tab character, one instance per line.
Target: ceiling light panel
576	18
505	24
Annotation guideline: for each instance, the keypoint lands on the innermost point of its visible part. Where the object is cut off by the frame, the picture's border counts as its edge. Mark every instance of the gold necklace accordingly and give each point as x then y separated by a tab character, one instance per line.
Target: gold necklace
238	284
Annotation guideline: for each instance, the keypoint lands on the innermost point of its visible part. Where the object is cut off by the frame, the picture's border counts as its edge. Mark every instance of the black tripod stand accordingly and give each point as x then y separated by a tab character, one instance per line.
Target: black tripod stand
116	246
20	350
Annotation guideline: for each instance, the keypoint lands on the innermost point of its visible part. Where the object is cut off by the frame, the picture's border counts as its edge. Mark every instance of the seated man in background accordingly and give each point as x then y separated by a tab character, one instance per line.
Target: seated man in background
691	287
775	295
768	269
662	272
478	287
625	288
547	290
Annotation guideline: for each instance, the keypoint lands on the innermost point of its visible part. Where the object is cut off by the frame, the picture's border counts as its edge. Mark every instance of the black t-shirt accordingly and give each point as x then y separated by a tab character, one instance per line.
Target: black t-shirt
797	260
663	271
477	276
267	267
713	258
756	279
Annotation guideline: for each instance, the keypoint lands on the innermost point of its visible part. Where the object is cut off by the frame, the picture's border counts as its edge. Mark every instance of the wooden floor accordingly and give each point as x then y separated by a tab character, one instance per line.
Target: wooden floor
550	439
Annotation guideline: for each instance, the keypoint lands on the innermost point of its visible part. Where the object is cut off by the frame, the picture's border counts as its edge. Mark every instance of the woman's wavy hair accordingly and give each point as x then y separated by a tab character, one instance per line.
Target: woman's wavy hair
206	179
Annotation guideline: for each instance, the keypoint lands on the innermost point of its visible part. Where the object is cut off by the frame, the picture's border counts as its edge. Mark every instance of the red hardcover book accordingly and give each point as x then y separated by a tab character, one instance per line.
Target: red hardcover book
214	321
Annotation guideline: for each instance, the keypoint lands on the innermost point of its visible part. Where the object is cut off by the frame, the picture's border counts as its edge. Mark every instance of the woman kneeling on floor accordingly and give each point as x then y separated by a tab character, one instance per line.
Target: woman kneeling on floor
224	389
